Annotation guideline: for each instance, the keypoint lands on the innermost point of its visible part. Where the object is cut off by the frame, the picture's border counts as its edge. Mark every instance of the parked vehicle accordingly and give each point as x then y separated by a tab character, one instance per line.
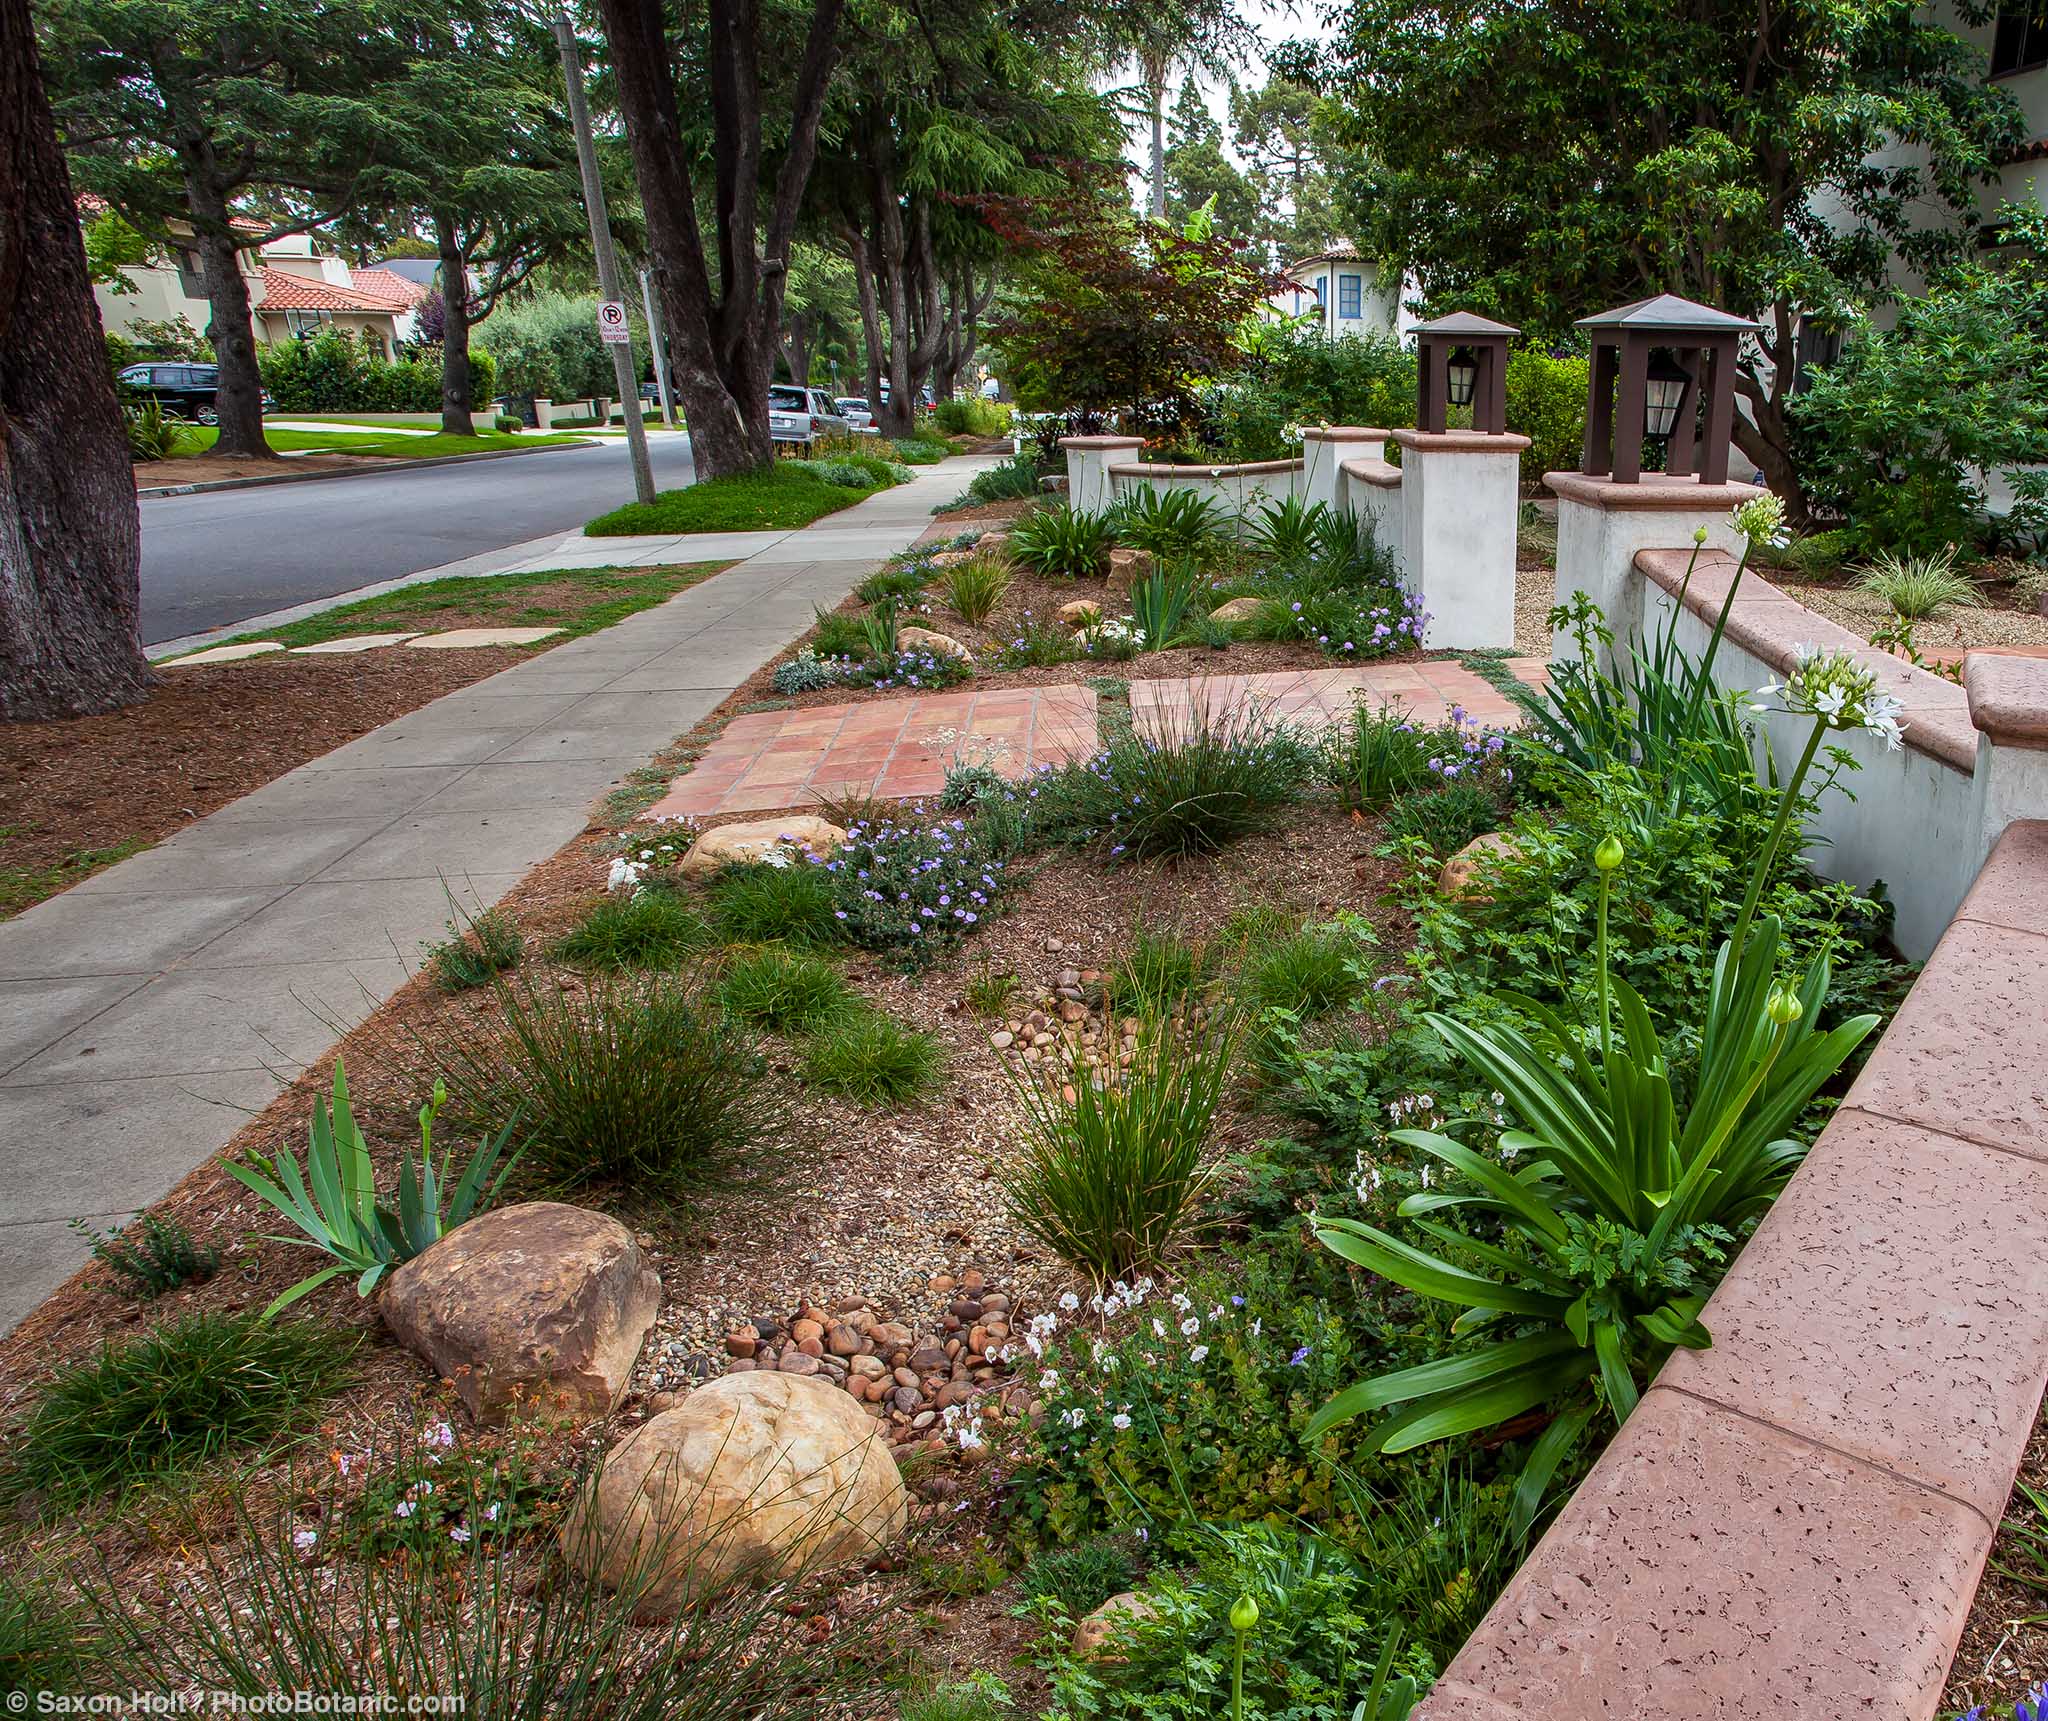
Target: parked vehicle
802	415
857	413
186	390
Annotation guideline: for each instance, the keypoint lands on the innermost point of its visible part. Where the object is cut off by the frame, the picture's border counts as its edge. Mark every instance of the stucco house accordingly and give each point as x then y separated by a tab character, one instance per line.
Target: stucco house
1347	292
296	287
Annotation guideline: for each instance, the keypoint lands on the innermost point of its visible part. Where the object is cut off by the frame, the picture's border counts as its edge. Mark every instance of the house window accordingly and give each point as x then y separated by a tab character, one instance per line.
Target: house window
1817	349
305	324
2020	43
191	275
1321	281
1347	295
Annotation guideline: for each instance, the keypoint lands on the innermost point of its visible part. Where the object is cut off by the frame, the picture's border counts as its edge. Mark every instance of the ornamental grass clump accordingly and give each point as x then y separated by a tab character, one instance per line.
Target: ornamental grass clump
1918	587
652	928
1112	1177
638	1082
782	989
871	1058
974	587
1374	755
759	902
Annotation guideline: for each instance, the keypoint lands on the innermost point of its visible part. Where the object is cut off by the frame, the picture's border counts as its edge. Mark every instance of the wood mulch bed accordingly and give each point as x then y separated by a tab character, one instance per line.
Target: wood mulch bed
2004	1647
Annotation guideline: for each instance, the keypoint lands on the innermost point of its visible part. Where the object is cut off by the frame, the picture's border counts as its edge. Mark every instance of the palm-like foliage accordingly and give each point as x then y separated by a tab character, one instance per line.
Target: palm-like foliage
1066	543
335	1206
1608	1203
1163	606
1284	534
1182	524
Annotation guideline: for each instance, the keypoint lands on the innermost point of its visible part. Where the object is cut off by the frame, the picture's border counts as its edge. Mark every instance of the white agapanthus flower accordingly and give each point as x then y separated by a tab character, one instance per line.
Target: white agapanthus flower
1762	521
624	874
1838	689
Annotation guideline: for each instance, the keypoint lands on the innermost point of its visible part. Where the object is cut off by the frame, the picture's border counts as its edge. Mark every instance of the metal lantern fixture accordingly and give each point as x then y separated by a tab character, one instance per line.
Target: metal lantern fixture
1462	360
1461	376
1657	365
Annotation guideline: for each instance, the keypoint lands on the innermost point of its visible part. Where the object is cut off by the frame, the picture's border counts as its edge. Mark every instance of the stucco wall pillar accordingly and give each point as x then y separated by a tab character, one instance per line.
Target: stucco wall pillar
1602	525
1324	449
1460	499
2009	706
1088	459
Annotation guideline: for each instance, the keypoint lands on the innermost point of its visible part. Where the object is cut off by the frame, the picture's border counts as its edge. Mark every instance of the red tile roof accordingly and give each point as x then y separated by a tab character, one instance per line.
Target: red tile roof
286	292
388	284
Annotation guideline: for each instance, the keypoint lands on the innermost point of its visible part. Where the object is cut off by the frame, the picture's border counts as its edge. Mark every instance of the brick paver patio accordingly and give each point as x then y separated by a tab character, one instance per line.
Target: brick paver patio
899	749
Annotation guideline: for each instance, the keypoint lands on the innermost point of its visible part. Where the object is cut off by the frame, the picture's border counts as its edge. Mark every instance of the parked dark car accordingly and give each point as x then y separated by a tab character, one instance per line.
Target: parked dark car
183	390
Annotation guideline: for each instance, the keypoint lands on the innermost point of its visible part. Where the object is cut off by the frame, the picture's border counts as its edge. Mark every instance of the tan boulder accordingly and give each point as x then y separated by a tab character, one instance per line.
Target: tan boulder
1456	882
1237	610
938	644
540	1308
992	540
1080	612
1094	1631
754	1476
1126	566
757	839
952	558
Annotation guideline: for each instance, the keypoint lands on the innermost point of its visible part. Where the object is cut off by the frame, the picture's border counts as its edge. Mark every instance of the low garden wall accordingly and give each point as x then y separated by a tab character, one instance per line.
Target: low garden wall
1241	491
1793	1522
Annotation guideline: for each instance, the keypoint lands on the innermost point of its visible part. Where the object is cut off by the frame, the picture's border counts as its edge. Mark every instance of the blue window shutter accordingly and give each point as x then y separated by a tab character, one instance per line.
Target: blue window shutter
1347	295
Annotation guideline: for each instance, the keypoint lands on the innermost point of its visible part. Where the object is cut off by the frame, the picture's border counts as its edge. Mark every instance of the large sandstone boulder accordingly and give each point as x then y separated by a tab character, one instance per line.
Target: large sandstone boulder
539	1308
1456	883
1237	610
757	839
1080	612
952	558
938	644
1127	566
758	1476
1095	1630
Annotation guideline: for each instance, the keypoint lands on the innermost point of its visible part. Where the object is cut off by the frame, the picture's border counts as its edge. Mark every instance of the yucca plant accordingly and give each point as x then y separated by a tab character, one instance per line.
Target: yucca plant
1918	587
1113	1178
335	1206
974	587
1616	1212
1163	604
1284	534
1177	524
1065	543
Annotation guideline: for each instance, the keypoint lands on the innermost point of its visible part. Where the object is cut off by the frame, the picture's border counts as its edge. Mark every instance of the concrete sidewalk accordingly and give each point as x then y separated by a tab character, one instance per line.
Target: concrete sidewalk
147	1013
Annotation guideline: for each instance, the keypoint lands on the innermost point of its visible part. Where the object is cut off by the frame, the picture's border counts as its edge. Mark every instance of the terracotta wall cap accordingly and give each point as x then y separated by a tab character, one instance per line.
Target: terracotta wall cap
1653	490
1255	468
1369	471
2012	888
2008	698
1102	442
1461	441
1342	433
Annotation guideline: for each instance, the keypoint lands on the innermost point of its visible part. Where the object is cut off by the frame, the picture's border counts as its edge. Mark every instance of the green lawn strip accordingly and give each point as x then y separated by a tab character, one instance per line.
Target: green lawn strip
342	441
24	887
750	502
498	600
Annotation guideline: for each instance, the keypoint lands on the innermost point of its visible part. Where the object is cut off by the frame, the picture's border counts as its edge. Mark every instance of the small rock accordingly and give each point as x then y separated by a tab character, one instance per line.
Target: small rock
906	1399
1002	1039
842	1340
741	1344
924	1419
806	1329
795	1362
741	1365
926	1358
906	1377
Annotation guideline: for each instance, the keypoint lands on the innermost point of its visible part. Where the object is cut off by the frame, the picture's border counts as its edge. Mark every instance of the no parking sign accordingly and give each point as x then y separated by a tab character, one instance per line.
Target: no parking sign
611	323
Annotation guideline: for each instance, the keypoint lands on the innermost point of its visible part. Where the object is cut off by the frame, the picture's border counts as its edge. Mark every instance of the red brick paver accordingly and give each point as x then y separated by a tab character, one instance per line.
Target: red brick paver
1426	692
767	761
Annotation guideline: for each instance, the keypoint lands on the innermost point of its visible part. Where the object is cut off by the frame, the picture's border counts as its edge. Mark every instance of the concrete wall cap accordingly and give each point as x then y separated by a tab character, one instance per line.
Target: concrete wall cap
1250	469
1342	433
1462	441
2008	698
1654	490
1102	442
1369	471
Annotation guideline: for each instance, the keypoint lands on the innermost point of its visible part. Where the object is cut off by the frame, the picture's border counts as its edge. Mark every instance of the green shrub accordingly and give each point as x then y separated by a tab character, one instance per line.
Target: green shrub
909	891
1080	1578
1163	604
804	673
974	587
160	1257
547	344
43	1637
1177	525
872	1059
755	903
1064	542
969	415
782	990
336	372
170	1401
649	928
894	584
1374	755
638	1081
838	634
1010	481
1442	820
476	948
1208	780
153	434
1114	1179
1547	403
914	451
1918	587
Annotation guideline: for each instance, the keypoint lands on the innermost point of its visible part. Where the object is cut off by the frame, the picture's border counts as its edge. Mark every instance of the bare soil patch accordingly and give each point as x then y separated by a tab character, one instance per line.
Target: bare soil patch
210	469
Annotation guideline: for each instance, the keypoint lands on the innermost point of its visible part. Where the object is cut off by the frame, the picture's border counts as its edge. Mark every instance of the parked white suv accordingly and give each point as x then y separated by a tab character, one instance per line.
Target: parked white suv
802	415
858	413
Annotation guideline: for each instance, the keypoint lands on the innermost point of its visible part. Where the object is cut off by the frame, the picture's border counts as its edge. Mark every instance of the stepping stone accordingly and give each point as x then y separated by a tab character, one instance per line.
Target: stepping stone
456	638
227	653
354	642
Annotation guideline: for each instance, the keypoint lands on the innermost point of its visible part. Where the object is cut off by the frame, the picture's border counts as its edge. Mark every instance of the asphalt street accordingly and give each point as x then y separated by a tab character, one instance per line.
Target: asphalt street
216	558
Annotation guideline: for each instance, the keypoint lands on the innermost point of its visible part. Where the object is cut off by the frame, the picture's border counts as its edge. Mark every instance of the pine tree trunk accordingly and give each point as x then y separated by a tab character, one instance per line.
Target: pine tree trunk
455	389
1158	77
70	541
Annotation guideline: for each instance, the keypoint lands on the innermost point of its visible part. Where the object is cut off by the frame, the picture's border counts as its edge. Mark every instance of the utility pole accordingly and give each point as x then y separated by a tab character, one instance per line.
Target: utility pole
607	259
660	346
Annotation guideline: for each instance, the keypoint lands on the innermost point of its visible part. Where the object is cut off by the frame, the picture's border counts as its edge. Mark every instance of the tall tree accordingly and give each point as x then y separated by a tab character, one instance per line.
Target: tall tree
1779	160
1199	174
70	542
486	162
1281	133
1159	38
223	124
723	304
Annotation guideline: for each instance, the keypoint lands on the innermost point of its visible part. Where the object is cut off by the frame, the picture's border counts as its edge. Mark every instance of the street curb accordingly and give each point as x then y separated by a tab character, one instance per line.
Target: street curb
362	471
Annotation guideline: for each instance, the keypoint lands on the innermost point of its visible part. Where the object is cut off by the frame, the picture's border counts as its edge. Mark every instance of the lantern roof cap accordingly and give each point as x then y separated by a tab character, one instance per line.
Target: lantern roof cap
1667	313
1465	323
